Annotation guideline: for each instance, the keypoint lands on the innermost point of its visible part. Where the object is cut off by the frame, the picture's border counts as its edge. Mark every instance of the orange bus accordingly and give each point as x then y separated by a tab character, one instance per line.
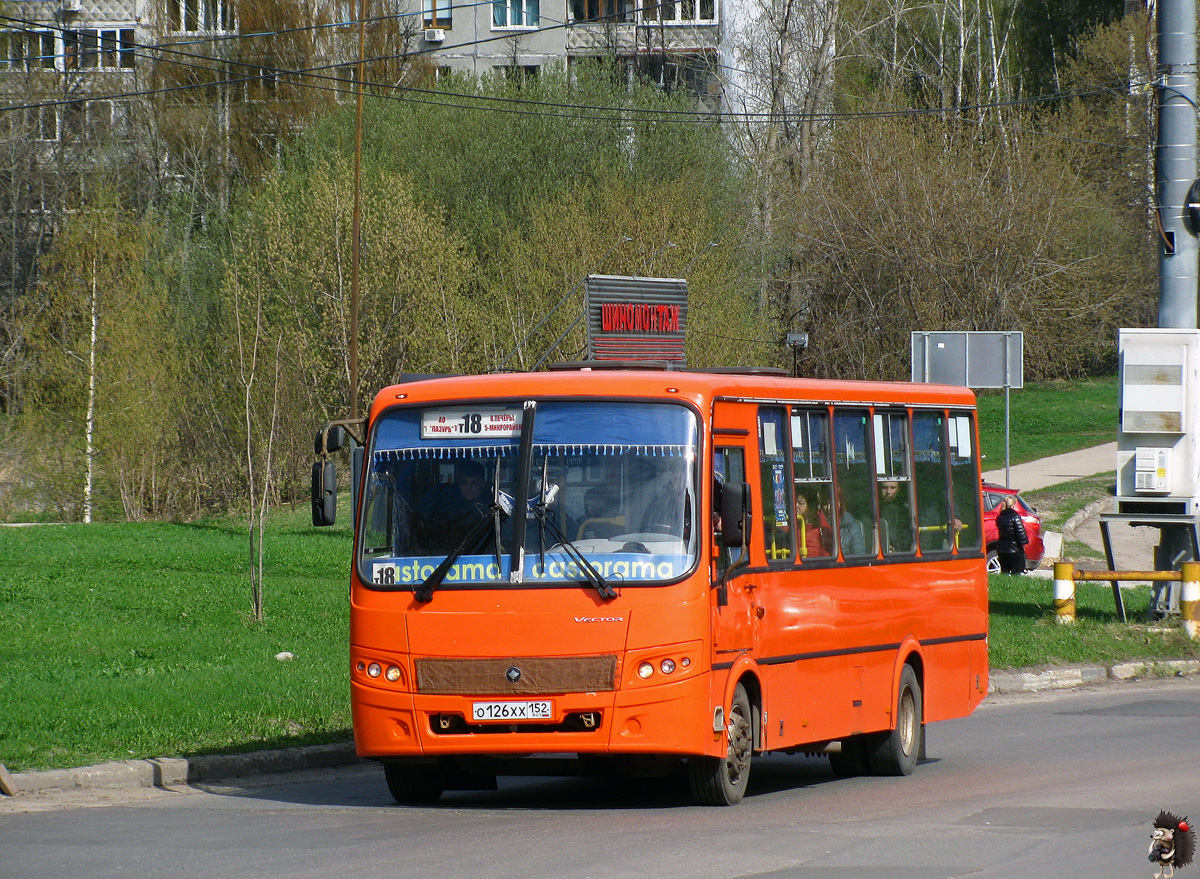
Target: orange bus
645	569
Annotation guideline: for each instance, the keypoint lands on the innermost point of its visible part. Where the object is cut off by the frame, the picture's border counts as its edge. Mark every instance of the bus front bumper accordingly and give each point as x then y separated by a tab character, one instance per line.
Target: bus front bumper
674	718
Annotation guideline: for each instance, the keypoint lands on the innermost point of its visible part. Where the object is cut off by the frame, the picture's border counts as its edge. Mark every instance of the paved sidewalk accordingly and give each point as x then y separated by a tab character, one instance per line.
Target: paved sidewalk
1056	469
1132	548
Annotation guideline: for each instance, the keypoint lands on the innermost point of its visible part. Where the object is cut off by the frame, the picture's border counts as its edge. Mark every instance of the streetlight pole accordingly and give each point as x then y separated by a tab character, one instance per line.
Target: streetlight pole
356	235
356	231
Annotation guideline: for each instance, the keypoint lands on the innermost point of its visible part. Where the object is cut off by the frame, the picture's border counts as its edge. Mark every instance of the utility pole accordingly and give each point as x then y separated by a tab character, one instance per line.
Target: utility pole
356	231
356	453
1175	171
1175	161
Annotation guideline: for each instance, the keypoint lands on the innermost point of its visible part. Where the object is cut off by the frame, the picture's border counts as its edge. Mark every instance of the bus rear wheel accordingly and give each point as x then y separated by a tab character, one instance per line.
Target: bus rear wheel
721	781
896	752
413	783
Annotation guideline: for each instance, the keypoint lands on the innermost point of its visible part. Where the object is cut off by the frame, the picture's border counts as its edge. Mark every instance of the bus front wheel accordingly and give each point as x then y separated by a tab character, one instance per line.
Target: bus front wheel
721	781
896	752
411	783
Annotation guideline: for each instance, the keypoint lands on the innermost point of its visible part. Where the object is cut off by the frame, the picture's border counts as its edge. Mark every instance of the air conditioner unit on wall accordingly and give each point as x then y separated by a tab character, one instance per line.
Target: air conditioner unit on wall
434	35
1152	470
71	5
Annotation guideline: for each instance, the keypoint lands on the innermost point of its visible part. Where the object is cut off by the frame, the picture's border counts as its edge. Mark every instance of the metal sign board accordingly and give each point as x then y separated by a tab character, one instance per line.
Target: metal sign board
630	318
970	359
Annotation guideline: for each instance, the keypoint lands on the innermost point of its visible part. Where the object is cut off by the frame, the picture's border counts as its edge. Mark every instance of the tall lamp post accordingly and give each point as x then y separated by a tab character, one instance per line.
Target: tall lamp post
356	236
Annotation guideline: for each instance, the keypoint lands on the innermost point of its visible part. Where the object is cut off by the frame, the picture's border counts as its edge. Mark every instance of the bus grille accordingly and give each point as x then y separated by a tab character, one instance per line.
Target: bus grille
538	674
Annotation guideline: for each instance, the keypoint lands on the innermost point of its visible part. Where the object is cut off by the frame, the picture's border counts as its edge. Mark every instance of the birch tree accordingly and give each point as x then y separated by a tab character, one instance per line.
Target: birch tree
100	389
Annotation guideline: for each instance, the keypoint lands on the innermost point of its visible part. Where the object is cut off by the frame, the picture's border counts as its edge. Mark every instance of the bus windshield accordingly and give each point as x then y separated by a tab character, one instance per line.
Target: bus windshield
610	485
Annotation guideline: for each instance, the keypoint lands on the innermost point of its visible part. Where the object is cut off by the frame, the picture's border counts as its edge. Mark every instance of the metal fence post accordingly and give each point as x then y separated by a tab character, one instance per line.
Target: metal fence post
1189	598
1064	592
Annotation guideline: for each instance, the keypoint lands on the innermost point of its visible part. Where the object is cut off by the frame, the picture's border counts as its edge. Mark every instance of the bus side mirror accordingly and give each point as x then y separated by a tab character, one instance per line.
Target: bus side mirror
330	438
324	493
735	513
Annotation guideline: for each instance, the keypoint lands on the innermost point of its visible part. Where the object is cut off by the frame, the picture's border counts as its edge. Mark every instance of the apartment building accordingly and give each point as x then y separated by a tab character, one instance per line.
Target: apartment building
80	65
674	43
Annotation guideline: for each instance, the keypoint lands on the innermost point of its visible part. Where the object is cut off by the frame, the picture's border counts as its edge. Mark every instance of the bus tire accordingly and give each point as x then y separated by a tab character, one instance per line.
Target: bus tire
413	783
896	751
851	761
721	781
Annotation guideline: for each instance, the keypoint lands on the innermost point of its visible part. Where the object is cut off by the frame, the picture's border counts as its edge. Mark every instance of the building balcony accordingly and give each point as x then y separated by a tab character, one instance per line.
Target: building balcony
599	37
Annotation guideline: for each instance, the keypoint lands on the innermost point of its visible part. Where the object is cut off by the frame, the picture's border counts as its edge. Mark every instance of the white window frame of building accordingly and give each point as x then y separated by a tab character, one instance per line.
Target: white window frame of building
107	120
518	73
27	50
260	83
515	14
42	123
592	12
680	11
93	49
347	12
72	125
197	16
438	14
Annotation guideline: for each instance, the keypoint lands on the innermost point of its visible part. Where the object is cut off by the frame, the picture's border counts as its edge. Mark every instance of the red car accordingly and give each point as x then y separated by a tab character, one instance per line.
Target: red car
993	498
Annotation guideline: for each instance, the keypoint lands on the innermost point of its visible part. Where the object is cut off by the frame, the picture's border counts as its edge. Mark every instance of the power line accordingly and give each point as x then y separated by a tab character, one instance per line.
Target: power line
629	115
659	114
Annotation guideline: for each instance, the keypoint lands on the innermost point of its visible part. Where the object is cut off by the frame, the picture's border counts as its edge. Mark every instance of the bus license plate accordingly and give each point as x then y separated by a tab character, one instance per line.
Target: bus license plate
507	712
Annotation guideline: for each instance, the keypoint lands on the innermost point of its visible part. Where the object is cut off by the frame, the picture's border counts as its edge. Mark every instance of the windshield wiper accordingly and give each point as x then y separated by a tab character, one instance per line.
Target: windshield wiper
593	577
499	509
521	490
546	497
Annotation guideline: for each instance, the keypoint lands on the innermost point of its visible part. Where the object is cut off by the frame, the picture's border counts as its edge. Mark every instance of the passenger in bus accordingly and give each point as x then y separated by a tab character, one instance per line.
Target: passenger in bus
660	486
602	510
450	511
895	519
814	536
850	530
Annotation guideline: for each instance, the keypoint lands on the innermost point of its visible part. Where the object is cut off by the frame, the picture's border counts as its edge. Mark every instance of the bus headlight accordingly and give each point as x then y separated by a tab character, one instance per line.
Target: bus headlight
392	673
645	670
374	670
667	666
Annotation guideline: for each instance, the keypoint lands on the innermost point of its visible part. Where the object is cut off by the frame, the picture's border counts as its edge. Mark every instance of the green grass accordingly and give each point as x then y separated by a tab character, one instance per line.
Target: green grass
137	640
1048	419
1024	632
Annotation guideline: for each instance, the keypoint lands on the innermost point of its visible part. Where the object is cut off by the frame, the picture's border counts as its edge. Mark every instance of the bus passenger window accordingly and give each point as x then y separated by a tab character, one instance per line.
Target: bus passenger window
813	483
934	527
729	465
777	512
894	483
855	502
964	480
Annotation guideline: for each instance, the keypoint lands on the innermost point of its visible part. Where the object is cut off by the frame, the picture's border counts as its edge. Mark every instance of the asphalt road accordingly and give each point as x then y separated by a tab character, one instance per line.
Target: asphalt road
1051	785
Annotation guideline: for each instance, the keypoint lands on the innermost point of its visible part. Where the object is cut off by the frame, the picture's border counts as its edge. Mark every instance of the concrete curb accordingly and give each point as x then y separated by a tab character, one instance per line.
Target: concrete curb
1095	507
1037	680
177	771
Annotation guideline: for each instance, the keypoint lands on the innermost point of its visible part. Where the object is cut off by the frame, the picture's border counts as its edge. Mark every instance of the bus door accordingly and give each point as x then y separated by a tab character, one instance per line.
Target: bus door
734	600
